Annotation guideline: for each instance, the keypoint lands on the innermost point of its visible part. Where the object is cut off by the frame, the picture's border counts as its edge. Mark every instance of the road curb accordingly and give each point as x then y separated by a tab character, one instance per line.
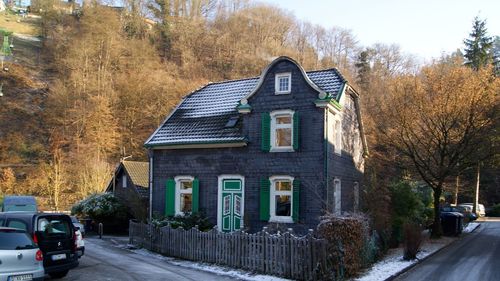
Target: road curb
408	268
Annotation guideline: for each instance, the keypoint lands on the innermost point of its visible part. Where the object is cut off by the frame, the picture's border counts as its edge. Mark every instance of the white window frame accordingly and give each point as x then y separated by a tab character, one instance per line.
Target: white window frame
338	135
275	126
124	181
178	192
272	208
277	83
337	195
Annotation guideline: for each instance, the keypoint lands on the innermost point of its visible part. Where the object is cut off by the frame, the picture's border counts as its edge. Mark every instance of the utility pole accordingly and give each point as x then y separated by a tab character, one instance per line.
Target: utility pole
476	190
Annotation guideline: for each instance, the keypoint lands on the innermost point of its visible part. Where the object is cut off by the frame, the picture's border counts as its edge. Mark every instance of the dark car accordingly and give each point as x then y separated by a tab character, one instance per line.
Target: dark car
54	234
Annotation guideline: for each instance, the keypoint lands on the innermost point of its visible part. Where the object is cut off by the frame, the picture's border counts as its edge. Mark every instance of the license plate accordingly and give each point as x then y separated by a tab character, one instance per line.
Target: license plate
58	257
24	277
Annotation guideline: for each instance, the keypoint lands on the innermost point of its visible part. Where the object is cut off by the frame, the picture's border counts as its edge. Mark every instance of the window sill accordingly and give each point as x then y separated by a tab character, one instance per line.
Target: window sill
281	219
282	149
282	93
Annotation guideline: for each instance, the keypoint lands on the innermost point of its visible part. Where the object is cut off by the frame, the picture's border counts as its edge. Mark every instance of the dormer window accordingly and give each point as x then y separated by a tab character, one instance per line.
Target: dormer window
283	83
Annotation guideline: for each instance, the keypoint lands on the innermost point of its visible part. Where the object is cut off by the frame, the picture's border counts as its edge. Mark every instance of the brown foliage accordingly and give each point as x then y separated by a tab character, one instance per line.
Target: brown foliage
346	234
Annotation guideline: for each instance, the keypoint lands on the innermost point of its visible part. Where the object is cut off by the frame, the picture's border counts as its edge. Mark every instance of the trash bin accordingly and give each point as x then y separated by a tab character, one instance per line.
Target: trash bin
452	223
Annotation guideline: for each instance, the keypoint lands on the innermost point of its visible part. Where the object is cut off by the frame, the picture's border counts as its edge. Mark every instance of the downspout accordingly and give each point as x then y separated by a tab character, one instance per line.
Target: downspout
150	153
325	154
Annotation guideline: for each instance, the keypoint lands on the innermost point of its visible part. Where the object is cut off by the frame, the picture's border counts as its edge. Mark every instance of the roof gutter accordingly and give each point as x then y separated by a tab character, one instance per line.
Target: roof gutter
201	144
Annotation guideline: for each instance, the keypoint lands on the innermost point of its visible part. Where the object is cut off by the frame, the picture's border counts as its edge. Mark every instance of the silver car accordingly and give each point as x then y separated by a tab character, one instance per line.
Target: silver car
20	257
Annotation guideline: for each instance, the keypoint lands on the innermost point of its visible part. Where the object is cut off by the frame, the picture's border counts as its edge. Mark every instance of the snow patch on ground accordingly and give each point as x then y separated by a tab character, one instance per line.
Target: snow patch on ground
471	227
393	262
239	274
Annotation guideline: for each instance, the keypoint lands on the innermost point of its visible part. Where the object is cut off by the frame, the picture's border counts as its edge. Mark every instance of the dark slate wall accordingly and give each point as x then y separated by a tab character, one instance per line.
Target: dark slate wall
349	165
307	164
130	197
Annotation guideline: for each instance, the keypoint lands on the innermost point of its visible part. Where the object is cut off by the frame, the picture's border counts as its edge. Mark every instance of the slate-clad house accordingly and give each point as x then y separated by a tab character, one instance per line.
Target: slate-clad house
130	184
284	147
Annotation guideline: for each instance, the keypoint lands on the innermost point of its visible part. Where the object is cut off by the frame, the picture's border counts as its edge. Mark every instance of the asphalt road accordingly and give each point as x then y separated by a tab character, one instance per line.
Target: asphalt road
104	262
475	257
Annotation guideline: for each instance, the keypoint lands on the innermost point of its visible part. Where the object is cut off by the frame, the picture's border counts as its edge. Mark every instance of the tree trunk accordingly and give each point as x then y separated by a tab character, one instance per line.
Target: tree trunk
476	192
455	196
437	230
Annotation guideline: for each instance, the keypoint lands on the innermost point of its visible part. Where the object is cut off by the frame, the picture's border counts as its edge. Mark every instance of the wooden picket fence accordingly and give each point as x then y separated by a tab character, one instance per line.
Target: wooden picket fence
286	255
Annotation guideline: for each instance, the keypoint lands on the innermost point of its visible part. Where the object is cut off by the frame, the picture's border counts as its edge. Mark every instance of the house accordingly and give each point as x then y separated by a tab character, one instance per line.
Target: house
130	184
284	148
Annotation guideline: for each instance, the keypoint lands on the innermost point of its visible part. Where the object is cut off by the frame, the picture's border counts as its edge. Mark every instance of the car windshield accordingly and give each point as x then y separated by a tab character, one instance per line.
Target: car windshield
15	240
54	227
20	207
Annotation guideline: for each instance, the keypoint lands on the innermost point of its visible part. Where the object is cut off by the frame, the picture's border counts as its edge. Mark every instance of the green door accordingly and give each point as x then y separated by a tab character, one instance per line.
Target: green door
232	204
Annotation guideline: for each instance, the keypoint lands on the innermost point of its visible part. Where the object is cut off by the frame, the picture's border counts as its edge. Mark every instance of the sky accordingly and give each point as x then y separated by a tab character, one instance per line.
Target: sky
424	28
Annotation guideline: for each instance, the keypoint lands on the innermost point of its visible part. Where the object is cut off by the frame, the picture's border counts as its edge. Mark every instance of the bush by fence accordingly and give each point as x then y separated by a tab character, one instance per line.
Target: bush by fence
303	258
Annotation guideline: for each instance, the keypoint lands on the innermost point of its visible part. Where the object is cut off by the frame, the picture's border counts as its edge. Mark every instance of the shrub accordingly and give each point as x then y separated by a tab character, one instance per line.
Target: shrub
406	205
187	221
347	237
412	240
103	208
495	211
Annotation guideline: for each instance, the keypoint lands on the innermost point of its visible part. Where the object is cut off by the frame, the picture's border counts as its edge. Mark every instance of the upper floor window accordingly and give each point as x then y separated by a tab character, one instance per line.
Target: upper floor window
282	130
124	181
183	195
283	83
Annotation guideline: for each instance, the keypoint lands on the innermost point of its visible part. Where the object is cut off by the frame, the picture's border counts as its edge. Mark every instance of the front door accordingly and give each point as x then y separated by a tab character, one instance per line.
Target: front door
231	207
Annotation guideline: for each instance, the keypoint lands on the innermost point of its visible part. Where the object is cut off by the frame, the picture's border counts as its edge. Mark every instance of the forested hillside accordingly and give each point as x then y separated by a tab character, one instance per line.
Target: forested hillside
107	77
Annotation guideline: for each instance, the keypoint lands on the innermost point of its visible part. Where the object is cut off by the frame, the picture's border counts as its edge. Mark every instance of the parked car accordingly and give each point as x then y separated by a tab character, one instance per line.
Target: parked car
481	211
78	225
20	257
19	203
55	235
464	210
80	244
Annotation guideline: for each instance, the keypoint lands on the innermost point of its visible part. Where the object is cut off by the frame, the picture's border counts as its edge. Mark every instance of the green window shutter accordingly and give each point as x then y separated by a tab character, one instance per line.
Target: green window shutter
265	185
196	195
170	198
296	132
295	200
266	132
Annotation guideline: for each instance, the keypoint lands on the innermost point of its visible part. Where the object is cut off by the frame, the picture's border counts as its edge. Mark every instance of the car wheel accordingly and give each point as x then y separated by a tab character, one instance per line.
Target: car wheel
58	274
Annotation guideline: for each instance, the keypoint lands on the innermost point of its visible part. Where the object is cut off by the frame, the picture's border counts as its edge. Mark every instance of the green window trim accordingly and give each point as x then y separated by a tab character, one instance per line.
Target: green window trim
266	132
196	195
265	185
295	200
170	198
296	132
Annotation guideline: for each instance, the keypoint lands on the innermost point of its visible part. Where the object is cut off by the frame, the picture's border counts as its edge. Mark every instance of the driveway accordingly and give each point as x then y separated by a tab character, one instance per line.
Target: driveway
104	262
475	257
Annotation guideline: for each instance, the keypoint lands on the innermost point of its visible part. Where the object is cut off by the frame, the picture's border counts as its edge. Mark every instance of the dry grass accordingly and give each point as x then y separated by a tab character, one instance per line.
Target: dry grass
27	25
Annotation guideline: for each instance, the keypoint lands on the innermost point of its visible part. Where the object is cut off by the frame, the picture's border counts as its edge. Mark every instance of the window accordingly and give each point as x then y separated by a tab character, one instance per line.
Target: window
281	199
124	181
337	194
338	137
282	131
183	195
283	83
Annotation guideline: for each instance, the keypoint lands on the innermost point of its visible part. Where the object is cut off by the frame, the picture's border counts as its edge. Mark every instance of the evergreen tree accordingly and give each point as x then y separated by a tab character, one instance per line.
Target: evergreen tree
363	69
478	47
496	55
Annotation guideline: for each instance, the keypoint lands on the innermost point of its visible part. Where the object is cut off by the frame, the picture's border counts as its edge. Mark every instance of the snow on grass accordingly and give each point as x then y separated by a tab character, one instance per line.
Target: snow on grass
471	227
393	262
220	270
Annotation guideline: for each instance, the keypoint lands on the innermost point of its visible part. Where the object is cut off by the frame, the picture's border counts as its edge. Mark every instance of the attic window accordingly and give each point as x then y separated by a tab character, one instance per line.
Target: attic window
232	122
283	83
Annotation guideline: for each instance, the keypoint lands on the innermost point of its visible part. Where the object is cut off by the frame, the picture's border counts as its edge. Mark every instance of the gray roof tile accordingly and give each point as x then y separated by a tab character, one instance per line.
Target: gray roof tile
201	117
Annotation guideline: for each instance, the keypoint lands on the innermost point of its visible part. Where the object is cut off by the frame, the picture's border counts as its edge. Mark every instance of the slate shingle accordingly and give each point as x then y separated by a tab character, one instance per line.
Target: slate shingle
202	115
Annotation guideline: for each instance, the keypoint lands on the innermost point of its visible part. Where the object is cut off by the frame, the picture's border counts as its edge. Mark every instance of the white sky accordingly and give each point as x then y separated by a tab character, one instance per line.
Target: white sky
425	28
